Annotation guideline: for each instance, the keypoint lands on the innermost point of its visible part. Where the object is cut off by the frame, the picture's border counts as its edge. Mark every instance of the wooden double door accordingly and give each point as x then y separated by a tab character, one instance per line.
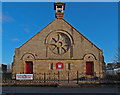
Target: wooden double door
89	68
29	67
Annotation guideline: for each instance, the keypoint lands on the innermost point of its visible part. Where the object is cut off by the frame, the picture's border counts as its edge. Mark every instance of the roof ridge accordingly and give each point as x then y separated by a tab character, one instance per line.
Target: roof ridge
81	34
68	24
36	34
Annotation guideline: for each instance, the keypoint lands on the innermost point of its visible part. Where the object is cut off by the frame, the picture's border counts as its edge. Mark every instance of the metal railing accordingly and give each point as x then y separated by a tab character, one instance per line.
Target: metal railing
67	76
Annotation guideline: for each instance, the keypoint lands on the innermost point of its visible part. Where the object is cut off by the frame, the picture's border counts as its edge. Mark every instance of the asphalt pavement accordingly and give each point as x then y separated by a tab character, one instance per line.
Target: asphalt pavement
59	90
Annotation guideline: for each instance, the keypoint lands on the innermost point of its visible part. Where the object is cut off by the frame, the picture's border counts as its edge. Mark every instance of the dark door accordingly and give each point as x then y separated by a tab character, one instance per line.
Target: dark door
29	67
89	68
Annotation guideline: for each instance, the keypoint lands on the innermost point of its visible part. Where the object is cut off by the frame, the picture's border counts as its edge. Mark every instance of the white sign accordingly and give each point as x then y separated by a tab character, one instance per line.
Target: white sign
24	76
59	66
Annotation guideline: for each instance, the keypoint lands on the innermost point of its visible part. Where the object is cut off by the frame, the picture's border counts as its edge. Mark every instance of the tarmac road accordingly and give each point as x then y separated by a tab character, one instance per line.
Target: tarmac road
59	90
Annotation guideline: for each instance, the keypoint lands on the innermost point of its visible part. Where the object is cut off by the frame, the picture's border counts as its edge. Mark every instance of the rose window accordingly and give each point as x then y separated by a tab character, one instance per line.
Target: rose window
59	43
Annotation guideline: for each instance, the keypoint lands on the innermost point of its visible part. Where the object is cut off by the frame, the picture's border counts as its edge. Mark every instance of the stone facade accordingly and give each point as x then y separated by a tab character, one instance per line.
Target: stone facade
49	47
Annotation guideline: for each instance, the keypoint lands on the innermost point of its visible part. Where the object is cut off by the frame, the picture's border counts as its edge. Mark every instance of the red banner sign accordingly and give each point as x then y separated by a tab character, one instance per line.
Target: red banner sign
24	76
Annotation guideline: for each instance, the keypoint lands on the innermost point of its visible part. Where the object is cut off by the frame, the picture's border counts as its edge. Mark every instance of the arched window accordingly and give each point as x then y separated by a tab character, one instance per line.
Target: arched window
51	67
69	67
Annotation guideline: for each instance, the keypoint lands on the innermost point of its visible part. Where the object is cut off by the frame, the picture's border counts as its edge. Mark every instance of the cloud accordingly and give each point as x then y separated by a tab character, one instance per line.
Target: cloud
6	18
36	26
0	28
27	30
14	40
0	18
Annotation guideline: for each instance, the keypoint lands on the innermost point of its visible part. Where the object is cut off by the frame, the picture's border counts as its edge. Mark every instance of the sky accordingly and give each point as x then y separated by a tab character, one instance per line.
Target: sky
98	21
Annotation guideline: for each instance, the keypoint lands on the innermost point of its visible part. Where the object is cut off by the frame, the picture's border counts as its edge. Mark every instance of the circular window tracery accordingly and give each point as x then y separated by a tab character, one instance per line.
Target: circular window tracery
59	43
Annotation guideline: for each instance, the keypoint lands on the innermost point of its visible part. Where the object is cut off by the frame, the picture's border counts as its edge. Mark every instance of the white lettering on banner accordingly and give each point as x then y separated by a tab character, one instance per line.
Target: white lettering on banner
24	76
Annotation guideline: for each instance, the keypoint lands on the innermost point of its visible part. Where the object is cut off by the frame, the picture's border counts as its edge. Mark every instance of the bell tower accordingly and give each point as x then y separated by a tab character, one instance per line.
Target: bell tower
59	7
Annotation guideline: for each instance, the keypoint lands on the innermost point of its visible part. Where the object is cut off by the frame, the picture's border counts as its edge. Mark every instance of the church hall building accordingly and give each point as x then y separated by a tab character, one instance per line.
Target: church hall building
58	47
